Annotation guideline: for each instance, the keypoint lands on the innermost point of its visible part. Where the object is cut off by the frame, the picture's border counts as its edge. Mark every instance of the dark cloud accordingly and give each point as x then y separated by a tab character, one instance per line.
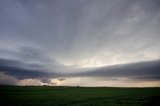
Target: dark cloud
12	68
61	79
149	70
44	38
141	71
6	79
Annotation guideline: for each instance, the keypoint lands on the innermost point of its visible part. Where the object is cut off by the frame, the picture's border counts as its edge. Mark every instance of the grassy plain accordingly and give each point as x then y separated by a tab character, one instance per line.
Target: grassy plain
78	96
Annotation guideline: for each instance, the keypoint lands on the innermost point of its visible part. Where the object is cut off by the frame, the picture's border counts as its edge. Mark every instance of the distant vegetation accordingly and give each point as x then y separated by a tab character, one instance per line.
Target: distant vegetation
78	96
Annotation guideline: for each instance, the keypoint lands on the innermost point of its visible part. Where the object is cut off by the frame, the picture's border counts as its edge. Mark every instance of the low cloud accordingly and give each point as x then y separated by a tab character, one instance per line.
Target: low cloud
61	79
144	73
110	82
35	82
14	68
7	79
147	70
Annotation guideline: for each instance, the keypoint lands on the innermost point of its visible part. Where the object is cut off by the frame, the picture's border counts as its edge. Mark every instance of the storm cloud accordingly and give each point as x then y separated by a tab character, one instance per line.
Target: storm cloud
149	70
60	39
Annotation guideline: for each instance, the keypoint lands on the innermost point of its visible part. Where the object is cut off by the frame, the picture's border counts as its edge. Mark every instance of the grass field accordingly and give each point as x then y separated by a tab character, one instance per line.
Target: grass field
78	96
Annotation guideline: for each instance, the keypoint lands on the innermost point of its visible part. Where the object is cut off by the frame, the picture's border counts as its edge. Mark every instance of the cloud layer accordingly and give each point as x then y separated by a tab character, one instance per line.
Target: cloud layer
42	40
134	74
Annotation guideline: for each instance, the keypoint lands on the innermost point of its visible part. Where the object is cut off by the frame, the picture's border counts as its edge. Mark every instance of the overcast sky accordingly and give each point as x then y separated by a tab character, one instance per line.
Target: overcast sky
80	42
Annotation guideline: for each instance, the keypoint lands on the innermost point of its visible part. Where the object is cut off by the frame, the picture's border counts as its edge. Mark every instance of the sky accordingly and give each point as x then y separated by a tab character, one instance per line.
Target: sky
80	42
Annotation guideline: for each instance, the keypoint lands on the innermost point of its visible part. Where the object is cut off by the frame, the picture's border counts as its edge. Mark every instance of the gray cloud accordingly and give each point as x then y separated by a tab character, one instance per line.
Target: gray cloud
141	71
149	70
21	70
69	37
7	79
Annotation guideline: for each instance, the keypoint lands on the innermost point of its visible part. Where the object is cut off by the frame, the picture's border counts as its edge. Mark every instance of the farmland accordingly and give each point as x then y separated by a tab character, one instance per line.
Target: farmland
78	96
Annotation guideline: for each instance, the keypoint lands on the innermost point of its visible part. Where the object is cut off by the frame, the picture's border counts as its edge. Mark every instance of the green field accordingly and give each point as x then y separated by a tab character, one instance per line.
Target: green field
78	96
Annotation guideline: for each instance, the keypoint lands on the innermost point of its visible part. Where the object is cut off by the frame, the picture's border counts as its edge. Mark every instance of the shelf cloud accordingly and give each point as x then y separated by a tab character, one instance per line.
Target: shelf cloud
65	42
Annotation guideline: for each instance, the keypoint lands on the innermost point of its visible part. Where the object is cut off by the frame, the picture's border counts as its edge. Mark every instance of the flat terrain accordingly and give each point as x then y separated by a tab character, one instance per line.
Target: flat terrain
78	96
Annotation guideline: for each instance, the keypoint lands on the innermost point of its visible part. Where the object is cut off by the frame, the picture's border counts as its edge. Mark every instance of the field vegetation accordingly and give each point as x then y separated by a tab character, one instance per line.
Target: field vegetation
78	96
